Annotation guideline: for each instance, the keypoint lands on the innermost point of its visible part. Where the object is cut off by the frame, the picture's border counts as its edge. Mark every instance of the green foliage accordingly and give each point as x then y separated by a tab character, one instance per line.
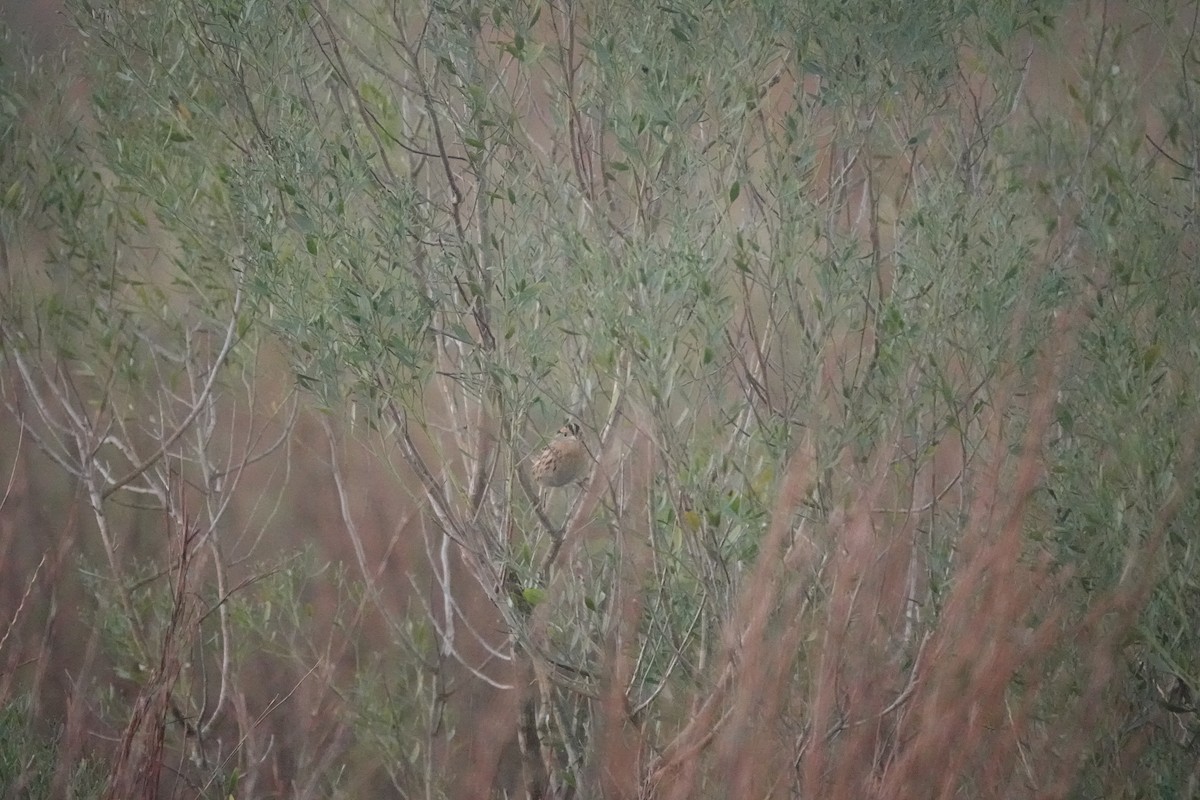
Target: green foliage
30	756
730	232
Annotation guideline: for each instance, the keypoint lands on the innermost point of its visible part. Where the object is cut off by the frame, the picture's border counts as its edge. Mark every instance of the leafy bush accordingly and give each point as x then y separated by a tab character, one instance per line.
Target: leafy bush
880	338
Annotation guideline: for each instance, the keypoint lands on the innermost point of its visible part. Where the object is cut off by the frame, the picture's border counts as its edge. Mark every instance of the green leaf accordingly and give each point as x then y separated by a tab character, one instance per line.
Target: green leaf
533	595
12	195
734	191
1152	355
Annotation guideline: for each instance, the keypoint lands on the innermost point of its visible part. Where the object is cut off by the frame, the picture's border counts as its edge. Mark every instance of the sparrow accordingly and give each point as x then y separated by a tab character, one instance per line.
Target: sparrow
562	461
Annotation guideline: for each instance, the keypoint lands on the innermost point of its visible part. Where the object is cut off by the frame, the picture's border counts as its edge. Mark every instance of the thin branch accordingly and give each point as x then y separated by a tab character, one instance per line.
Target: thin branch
182	428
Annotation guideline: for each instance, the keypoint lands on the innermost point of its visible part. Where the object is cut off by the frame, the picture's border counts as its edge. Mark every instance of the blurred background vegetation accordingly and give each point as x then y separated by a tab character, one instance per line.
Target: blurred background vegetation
879	319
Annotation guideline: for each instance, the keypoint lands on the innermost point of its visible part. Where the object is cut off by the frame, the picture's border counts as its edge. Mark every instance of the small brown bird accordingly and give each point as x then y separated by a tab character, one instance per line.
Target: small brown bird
564	460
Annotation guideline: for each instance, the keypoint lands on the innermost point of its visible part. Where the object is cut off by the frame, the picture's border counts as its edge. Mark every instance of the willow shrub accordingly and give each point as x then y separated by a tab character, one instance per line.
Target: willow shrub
884	356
